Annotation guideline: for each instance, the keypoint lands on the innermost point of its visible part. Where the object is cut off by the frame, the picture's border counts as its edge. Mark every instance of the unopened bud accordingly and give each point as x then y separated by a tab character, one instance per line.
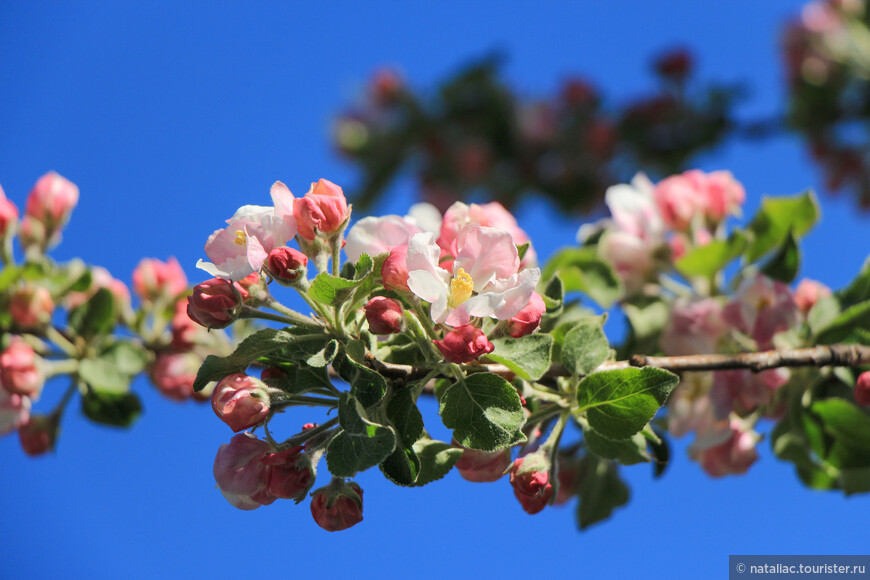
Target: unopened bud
395	269
337	506
20	371
292	474
287	266
38	434
384	315
464	344
529	318
323	211
214	303
530	478
154	279
241	401
31	307
862	389
483	466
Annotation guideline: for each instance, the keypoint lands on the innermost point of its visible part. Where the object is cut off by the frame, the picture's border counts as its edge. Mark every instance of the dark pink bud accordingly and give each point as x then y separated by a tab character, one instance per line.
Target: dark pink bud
287	265
483	466
214	303
464	344
240	401
8	216
19	369
337	506
395	269
38	434
808	293
52	199
322	211
675	65
31	306
292	474
530	478
154	279
733	457
862	389
184	330
384	315
529	318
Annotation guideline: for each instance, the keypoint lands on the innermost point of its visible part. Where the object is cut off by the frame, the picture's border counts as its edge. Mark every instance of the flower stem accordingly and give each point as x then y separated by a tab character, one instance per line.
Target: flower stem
288	316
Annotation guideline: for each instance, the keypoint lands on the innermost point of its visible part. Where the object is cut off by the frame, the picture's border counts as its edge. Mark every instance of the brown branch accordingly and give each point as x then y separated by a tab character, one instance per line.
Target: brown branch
819	356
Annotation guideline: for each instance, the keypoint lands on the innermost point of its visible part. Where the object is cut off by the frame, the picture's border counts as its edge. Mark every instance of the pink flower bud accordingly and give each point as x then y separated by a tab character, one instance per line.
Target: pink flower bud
292	474
464	344
395	269
322	211
153	279
483	466
674	65
241	474
337	506
384	315
31	307
173	374
19	369
287	265
184	330
52	199
680	198
38	434
240	401
529	318
733	457
724	195
14	411
808	293
8	216
694	327
214	303
862	389
530	478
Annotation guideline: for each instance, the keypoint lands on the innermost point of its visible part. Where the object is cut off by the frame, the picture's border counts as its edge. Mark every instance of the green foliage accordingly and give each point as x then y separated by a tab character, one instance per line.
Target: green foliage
625	451
619	403
436	459
601	491
96	317
111	408
483	409
584	348
777	219
366	385
705	261
528	356
361	444
403	466
581	270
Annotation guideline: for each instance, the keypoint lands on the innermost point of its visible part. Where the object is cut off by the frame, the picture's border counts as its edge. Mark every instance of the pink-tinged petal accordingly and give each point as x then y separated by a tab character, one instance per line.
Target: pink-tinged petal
14	411
486	254
256	254
423	254
282	199
425	216
377	235
432	289
241	501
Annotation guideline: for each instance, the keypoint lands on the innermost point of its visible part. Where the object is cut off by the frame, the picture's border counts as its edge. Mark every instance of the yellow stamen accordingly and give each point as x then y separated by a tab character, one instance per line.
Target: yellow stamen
461	288
240	238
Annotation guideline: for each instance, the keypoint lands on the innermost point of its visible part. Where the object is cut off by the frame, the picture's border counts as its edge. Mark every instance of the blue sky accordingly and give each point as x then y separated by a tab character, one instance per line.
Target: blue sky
170	116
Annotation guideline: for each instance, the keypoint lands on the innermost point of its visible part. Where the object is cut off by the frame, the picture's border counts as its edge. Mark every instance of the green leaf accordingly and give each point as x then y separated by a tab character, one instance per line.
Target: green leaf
776	218
324	356
308	379
436	459
661	453
522	249
601	491
554	295
115	409
261	344
784	265
846	423
528	356
581	270
127	356
855	480
331	290
845	327
584	348
8	276
402	467
483	409
364	267
823	313
94	317
857	291
705	261
361	445
104	376
625	451
620	403
367	385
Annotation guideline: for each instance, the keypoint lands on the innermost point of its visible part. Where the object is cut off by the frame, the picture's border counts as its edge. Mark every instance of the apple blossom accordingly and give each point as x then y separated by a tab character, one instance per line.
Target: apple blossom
243	246
485	280
8	216
337	506
742	390
323	210
378	235
48	209
394	272
807	293
762	307
734	456
102	278
464	344
694	327
681	198
459	216
20	371
240	401
384	315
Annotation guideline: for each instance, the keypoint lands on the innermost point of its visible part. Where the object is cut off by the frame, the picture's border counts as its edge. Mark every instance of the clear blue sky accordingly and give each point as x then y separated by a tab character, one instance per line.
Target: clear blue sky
171	115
